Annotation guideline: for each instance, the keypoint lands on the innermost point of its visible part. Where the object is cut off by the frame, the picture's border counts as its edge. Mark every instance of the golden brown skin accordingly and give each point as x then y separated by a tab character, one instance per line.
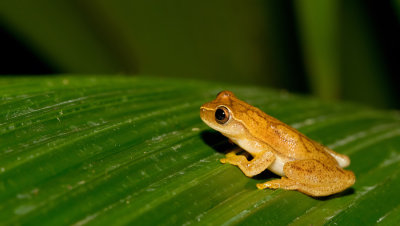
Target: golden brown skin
304	164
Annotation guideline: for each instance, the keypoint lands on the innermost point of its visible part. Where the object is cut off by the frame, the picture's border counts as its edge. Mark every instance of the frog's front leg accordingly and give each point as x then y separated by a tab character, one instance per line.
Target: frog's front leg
258	164
312	178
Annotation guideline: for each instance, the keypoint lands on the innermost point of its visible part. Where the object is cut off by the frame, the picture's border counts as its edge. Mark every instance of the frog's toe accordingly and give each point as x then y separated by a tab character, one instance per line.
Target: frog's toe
233	153
261	186
269	184
231	160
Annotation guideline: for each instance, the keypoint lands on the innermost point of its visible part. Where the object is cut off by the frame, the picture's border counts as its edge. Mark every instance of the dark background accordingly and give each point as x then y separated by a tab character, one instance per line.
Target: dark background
346	50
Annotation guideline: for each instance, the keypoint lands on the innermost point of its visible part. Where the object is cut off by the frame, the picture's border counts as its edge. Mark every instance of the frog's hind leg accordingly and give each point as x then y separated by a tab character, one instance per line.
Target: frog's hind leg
312	178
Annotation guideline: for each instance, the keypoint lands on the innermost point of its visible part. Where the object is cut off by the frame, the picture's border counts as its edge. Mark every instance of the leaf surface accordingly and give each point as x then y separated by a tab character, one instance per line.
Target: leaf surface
122	150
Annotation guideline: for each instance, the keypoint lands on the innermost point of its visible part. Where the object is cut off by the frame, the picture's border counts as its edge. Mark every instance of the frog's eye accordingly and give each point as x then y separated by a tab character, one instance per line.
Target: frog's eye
222	115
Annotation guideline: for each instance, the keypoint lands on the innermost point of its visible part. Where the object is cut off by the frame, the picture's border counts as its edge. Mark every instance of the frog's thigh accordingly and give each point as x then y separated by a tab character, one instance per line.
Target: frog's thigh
313	178
253	167
313	172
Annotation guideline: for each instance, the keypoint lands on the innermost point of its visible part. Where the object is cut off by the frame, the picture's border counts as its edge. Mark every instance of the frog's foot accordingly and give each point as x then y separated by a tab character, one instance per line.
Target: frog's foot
250	168
283	183
312	178
308	189
234	159
230	156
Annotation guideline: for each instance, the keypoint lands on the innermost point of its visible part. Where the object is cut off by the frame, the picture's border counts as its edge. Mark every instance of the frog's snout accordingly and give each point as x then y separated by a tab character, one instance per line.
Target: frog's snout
205	114
202	112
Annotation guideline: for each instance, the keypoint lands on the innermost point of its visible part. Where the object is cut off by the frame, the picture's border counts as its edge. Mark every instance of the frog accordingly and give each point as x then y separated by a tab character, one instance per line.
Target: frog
301	163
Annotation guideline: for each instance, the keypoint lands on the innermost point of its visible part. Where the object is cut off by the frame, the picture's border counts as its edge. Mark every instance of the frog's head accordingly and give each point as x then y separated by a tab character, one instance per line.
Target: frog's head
220	114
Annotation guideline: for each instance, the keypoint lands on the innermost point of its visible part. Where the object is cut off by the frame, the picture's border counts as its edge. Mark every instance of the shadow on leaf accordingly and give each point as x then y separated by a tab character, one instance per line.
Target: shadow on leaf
217	141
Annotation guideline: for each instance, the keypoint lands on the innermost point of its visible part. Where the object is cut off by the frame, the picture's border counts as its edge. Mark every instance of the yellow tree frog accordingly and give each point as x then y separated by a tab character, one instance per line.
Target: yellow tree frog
302	163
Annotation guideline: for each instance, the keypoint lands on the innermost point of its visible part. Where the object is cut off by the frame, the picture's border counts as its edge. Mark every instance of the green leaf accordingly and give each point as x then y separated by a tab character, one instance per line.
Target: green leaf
58	32
319	25
330	33
99	150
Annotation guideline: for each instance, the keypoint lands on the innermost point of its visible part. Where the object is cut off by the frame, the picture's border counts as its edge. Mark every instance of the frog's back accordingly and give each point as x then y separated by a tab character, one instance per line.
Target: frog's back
299	146
286	141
